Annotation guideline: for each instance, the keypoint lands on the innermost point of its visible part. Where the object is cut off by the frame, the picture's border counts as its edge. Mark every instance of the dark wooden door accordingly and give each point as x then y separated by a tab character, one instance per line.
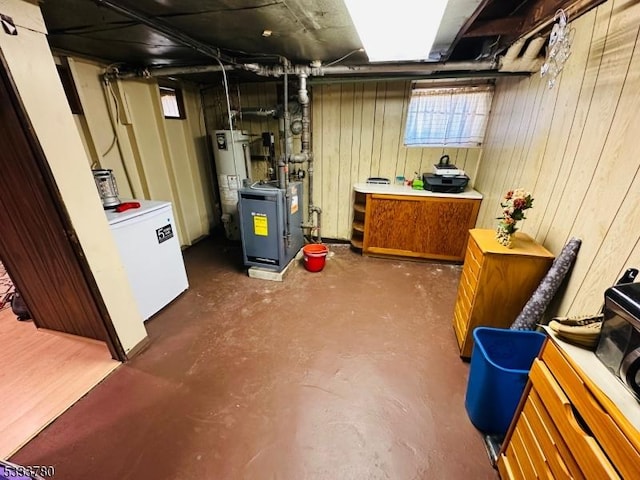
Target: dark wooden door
37	243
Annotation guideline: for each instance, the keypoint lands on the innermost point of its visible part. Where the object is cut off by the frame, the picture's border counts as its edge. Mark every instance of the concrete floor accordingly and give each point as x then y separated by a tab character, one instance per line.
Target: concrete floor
350	373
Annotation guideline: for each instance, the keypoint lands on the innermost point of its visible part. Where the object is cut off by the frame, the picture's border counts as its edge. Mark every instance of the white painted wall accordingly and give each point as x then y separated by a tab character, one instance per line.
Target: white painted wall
34	73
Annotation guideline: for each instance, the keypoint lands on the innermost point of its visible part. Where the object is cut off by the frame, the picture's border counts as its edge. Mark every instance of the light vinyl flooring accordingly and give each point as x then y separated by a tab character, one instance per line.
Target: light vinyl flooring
42	374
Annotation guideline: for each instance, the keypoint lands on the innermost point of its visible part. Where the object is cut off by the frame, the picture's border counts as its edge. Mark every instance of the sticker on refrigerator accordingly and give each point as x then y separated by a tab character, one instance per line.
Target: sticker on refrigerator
164	233
294	204
260	224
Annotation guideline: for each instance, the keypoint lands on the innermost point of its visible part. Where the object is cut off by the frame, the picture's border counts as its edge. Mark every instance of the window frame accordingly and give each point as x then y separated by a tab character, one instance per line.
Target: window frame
177	91
462	86
69	86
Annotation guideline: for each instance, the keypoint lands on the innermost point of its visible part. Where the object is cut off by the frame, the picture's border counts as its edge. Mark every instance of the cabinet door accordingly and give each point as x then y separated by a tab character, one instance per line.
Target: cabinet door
422	227
443	226
390	225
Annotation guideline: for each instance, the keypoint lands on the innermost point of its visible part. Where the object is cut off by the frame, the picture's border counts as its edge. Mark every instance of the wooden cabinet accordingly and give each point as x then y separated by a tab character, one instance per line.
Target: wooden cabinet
496	282
414	226
357	232
566	428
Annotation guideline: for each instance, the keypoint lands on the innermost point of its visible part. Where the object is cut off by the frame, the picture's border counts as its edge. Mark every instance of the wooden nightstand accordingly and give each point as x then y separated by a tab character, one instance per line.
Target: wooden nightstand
496	283
566	427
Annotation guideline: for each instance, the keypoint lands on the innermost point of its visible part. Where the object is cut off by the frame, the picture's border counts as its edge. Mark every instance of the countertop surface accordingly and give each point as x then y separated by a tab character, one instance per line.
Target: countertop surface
146	206
608	384
390	189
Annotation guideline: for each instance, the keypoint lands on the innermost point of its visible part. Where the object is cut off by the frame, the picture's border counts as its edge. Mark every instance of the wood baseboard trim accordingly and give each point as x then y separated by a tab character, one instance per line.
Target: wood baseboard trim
139	348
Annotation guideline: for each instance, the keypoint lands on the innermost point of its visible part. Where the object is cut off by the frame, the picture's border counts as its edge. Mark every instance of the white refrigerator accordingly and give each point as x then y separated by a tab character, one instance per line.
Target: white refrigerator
147	240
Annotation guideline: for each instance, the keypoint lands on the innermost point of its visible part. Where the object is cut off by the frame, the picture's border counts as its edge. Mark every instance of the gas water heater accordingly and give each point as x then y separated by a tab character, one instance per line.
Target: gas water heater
233	166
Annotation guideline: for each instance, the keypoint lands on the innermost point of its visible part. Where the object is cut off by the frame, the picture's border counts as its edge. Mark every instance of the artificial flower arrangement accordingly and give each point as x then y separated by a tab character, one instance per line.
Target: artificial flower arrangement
514	203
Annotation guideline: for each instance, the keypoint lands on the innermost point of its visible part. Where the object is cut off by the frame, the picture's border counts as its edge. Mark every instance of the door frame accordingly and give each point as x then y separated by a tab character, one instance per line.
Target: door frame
80	272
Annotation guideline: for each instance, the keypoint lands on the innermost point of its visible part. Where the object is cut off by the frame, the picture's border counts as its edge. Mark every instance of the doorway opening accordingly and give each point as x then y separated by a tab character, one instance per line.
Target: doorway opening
51	361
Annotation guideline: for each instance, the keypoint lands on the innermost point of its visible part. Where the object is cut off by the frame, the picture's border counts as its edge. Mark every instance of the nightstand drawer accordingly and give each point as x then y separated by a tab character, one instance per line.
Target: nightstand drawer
473	259
459	325
584	447
556	452
612	440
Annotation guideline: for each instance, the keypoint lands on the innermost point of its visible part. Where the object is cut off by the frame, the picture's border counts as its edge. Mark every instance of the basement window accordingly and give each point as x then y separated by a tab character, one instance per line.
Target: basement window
64	72
448	116
172	104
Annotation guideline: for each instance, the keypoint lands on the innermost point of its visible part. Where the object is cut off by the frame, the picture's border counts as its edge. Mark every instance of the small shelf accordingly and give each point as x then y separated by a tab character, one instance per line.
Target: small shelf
357	226
357	243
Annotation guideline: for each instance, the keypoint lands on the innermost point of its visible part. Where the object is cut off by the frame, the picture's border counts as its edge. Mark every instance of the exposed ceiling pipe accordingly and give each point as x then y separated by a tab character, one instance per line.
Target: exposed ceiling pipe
487	74
171	71
258	112
167	30
409	69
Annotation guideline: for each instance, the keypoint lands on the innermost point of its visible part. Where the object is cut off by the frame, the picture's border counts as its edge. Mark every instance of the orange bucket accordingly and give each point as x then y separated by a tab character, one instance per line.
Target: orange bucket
315	255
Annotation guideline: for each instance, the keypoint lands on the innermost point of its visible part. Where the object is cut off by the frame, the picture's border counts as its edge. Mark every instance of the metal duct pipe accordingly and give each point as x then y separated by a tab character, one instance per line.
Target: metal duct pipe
298	158
303	95
432	76
318	212
170	71
287	153
258	112
247	161
417	68
407	69
303	98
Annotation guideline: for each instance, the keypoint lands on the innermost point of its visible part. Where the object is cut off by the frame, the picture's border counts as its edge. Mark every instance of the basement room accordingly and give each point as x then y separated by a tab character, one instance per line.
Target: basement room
336	239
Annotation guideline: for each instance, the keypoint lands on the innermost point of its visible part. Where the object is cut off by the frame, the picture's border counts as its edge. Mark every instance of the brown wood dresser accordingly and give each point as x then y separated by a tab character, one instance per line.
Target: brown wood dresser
496	282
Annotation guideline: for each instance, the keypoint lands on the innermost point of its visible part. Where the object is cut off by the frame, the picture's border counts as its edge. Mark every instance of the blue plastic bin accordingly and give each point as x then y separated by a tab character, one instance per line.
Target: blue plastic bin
500	364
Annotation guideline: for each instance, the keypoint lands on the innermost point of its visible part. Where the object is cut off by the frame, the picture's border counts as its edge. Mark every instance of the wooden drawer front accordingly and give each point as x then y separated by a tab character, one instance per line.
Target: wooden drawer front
473	259
586	451
534	449
459	325
465	296
505	469
470	283
612	440
556	453
519	454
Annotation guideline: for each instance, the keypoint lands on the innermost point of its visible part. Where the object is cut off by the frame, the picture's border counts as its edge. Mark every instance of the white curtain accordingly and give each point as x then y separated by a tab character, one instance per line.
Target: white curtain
455	116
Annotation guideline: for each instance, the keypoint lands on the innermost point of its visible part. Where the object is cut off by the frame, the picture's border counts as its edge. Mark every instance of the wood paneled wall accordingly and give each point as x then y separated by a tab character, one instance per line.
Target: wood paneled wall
357	132
243	97
575	148
152	157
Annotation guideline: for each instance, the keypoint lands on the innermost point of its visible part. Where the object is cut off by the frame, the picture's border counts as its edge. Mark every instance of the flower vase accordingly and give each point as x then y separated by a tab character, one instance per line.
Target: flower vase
505	237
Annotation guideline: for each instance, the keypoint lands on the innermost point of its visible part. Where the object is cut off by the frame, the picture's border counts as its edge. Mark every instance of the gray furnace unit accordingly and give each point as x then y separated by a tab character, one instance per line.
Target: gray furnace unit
264	210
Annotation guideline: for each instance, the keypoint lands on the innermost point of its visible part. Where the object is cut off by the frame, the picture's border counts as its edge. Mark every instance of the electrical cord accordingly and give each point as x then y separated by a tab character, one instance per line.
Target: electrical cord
117	120
226	92
343	57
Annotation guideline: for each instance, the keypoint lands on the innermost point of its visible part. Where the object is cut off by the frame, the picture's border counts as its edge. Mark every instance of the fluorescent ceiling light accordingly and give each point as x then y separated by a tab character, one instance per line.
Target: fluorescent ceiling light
397	30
